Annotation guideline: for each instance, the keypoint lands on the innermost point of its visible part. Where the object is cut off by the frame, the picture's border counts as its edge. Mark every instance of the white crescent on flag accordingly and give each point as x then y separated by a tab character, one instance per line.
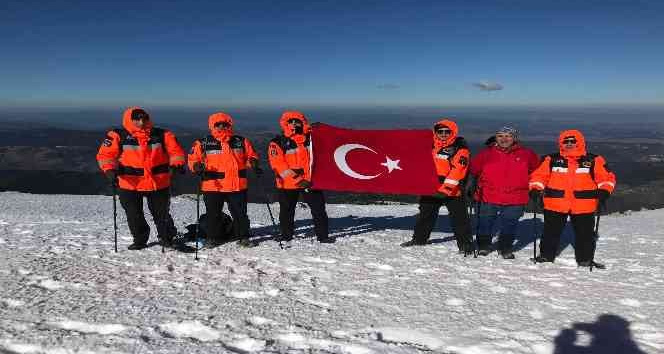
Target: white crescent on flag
340	160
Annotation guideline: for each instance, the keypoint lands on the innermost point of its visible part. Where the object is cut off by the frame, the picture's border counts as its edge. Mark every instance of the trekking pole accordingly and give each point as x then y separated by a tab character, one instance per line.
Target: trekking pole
115	216
535	235
535	206
269	210
198	214
595	238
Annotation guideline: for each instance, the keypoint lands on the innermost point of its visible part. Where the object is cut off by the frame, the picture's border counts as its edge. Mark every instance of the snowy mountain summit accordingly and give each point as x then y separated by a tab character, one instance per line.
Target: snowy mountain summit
64	290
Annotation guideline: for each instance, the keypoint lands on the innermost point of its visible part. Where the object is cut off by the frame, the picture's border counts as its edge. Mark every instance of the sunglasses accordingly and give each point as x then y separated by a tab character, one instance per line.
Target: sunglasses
139	115
569	141
222	125
443	131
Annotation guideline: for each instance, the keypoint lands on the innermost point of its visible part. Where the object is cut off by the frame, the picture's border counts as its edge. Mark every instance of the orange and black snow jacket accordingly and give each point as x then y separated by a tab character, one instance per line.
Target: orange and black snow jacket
571	179
289	154
141	156
451	157
226	157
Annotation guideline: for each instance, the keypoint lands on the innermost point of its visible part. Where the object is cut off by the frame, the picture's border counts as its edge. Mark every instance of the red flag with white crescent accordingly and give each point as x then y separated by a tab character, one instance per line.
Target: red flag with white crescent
373	161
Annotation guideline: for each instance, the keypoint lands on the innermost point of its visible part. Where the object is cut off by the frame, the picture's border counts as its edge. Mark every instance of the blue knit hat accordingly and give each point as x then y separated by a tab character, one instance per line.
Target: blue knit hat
508	129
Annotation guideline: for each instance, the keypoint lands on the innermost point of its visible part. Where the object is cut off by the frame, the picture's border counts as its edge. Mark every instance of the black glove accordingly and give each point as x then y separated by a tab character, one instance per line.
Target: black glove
304	184
535	194
112	176
603	196
198	167
257	169
179	169
441	195
470	188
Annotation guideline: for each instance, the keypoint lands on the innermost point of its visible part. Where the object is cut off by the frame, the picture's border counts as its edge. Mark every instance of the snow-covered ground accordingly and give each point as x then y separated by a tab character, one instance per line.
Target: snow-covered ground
64	290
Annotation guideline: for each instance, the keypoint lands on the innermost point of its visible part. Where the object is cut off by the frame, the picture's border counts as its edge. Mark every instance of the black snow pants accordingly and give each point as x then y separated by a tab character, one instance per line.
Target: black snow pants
237	205
315	199
584	234
426	219
158	203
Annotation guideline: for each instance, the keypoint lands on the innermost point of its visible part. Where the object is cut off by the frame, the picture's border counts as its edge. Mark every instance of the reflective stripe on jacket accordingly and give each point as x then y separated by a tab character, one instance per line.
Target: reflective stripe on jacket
226	163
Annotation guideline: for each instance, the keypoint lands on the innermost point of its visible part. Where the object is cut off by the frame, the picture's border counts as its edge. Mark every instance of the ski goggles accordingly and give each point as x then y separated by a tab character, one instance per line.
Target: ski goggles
443	131
294	121
569	141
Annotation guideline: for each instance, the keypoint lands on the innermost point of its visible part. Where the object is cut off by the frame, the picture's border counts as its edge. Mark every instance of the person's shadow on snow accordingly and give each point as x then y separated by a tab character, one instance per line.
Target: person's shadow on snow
610	334
352	225
530	230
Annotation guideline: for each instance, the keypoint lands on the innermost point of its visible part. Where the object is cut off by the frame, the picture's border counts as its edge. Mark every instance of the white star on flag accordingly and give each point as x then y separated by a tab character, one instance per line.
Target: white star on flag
391	164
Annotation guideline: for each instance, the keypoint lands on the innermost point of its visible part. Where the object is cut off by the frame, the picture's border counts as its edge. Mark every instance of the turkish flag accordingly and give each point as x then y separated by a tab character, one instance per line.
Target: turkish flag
373	161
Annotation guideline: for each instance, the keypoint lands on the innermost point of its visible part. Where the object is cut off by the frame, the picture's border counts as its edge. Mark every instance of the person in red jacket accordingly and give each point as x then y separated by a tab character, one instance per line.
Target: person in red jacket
451	157
222	160
290	159
573	183
501	172
140	160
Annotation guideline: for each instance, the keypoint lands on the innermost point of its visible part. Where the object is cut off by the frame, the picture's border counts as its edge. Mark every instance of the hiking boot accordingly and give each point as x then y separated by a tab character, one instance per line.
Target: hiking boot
484	245
166	242
411	243
542	259
137	246
327	240
282	238
507	255
584	263
246	243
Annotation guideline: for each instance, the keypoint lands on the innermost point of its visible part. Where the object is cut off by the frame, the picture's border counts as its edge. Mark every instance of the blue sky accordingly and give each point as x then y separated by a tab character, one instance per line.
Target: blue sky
367	53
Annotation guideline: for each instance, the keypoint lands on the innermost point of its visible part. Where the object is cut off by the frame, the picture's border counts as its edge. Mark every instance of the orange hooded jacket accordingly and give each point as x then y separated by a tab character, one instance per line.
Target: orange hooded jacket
571	179
289	154
141	156
226	157
451	157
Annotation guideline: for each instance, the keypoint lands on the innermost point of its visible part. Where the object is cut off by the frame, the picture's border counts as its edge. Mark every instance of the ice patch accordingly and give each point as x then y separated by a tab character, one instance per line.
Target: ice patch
247	345
12	303
379	266
530	293
556	284
630	302
50	284
190	329
319	260
261	321
2	240
454	302
272	292
536	314
243	294
84	327
350	293
499	289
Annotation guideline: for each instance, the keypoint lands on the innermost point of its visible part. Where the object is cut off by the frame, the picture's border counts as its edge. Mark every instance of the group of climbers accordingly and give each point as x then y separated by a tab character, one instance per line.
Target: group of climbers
499	181
502	179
